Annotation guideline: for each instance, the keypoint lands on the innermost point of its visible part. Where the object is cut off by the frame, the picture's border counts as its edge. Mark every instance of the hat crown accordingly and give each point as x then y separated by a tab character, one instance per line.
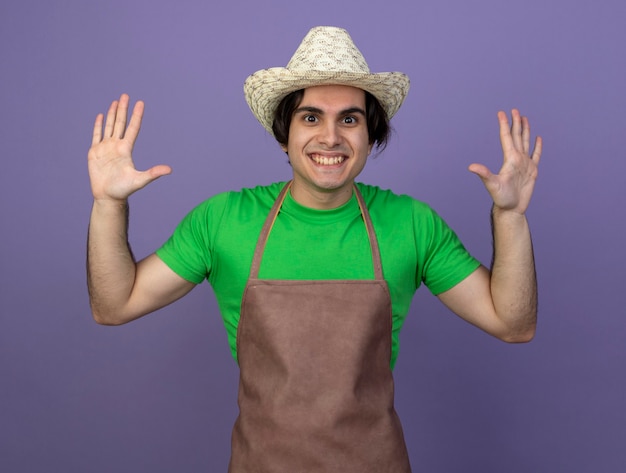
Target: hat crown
329	49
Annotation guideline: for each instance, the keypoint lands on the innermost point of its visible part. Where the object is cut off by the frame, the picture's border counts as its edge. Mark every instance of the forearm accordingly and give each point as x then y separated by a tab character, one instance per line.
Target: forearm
513	277
110	263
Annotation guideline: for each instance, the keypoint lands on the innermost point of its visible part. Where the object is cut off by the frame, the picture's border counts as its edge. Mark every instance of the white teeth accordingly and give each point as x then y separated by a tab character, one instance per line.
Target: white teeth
326	161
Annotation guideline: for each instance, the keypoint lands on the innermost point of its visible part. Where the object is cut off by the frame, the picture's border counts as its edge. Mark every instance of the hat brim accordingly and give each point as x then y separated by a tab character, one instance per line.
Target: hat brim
266	88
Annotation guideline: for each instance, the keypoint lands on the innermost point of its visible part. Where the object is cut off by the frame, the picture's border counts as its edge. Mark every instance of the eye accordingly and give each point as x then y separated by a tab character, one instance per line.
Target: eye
349	120
310	118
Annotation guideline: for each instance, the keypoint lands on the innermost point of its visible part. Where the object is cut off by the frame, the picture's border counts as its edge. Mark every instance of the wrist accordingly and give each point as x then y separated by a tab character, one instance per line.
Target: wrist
110	207
506	214
110	202
509	221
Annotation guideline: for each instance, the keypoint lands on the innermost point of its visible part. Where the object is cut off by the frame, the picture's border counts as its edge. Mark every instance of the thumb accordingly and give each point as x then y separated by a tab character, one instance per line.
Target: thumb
480	170
146	177
159	170
490	180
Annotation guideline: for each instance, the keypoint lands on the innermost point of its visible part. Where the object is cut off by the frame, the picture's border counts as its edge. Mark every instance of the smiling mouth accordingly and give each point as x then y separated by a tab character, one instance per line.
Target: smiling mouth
327	160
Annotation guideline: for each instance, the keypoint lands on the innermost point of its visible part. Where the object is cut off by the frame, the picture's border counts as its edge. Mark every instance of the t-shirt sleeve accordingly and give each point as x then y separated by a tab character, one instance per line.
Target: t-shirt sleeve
445	260
188	251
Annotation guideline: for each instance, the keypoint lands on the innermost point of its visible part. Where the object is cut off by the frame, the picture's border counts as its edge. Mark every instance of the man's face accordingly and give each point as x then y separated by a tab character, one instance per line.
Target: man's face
328	145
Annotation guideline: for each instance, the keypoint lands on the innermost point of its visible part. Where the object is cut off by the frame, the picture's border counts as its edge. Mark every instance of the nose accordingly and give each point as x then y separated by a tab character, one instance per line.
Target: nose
330	134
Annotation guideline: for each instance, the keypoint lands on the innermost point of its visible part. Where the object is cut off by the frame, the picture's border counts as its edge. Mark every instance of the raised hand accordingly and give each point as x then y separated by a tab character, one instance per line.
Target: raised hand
111	169
512	188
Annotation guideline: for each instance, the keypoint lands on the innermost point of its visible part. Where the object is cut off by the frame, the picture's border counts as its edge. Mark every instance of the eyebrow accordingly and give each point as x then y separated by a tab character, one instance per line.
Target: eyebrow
319	111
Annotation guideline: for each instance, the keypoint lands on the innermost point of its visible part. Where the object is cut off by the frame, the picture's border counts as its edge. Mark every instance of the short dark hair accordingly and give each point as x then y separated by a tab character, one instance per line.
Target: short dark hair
378	128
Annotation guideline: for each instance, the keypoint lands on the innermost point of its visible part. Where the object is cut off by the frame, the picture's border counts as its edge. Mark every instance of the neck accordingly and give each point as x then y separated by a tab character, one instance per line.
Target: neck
321	199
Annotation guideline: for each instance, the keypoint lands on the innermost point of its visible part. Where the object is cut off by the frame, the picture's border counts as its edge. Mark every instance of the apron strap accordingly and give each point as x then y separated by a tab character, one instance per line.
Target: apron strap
378	267
271	218
265	231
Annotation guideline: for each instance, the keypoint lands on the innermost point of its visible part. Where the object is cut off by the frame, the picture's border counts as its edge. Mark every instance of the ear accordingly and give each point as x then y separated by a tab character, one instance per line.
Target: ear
283	147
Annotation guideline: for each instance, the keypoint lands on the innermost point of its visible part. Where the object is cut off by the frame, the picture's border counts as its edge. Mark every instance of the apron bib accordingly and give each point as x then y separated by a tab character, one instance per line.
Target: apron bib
316	390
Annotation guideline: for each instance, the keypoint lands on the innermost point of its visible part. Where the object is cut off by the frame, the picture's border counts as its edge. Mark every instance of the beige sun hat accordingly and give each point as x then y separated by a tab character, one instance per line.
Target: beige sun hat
327	55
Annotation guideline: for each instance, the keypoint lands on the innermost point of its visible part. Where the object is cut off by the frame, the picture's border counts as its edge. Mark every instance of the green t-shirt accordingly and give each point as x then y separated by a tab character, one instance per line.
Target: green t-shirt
216	241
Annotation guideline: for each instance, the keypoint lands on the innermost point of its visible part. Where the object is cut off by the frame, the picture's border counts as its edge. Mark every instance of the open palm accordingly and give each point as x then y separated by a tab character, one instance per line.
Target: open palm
512	188
111	169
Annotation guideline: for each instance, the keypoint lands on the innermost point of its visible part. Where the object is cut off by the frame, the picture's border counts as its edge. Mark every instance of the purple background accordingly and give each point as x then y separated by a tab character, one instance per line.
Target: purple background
159	395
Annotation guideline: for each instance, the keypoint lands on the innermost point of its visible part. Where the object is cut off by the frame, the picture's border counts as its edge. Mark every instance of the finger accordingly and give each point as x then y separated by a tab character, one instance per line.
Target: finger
505	132
516	129
536	157
120	118
526	135
97	130
110	122
135	122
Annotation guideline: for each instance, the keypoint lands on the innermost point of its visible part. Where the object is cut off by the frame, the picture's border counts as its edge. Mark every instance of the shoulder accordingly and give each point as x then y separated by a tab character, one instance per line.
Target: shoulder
385	200
251	203
259	195
231	213
403	214
254	197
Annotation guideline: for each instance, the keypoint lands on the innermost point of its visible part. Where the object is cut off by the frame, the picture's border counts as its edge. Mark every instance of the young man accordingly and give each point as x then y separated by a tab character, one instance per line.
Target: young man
314	277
